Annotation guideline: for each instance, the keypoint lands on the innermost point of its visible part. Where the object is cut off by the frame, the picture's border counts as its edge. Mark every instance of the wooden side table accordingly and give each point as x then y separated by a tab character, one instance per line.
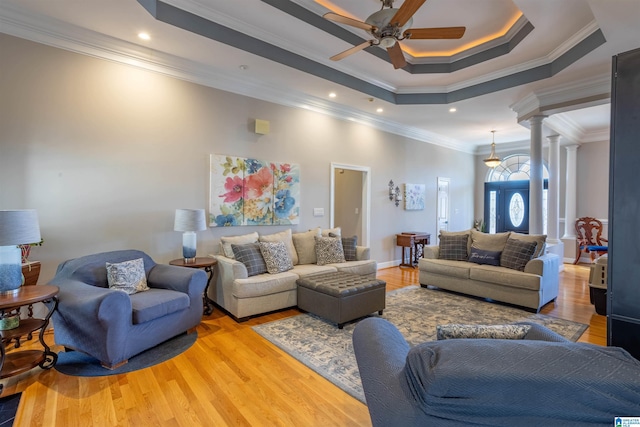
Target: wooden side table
17	362
415	241
207	264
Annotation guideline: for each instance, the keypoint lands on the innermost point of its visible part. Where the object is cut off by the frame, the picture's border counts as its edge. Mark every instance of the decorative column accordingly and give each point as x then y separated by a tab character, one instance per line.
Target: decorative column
553	195
536	183
570	192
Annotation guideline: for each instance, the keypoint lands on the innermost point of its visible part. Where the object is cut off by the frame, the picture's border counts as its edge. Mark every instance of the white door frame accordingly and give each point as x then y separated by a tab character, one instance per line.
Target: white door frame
366	197
442	209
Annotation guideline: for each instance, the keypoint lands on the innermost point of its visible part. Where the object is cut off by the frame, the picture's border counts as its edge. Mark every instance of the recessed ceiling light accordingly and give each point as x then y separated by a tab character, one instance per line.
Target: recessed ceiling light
379	110
144	36
332	95
453	109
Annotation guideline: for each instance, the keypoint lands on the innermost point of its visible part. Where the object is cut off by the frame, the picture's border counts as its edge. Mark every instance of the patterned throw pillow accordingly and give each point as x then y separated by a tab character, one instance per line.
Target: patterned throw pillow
329	250
249	254
348	246
517	253
276	256
127	276
480	256
501	332
453	247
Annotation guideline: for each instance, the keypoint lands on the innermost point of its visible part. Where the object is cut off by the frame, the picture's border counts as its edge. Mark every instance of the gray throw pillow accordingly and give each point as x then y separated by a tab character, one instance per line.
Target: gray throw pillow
480	256
127	276
501	332
517	253
276	256
348	246
249	254
329	250
453	247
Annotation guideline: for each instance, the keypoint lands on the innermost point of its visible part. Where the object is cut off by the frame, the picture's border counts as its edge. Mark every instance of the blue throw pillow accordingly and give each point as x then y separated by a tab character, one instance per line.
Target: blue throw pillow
480	256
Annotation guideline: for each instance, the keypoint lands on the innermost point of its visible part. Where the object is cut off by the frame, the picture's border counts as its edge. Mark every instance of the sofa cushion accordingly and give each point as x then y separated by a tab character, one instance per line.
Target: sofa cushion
307	269
367	267
540	239
283	236
226	241
276	257
264	284
305	245
517	253
337	231
505	276
480	256
249	254
329	250
503	332
489	242
453	247
459	269
157	303
127	276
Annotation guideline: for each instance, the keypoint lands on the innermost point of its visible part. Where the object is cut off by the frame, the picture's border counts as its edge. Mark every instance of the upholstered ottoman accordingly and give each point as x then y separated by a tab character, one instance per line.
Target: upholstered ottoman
341	297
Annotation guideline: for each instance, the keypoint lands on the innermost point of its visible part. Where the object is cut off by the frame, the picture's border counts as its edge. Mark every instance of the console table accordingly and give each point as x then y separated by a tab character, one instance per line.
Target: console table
415	242
19	361
207	265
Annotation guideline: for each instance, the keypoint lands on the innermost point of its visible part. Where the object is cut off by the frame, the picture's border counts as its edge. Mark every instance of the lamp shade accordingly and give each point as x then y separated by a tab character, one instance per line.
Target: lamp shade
190	220
18	227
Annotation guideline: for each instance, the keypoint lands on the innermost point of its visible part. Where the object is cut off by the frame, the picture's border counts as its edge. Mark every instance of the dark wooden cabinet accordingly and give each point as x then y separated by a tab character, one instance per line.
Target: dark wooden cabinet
623	287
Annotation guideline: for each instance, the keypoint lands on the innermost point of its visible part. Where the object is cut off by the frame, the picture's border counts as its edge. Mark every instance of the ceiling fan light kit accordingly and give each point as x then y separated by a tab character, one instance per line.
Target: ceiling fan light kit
389	26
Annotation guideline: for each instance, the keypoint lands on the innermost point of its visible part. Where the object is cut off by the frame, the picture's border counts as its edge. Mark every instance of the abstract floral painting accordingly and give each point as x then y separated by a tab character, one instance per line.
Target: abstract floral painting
414	197
253	192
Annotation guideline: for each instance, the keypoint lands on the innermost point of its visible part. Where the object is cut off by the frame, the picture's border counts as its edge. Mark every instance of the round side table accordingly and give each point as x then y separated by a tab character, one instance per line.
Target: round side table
207	264
17	362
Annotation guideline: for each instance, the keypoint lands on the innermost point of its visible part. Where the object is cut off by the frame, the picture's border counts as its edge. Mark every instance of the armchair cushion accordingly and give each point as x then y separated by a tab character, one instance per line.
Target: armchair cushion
157	303
127	276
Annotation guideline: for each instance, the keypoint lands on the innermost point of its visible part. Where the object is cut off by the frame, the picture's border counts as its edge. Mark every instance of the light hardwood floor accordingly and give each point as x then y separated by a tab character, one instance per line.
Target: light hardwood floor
232	376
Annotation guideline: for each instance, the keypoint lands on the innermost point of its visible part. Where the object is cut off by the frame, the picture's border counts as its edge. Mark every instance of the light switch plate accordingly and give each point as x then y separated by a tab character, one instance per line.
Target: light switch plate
318	211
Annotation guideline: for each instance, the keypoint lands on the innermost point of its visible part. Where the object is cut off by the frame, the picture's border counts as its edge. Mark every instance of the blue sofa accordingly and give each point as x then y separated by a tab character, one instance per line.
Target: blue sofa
113	326
540	380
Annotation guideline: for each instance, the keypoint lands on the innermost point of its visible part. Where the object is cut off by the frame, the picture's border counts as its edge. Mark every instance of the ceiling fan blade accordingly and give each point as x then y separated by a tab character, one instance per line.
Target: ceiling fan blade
351	51
348	21
435	33
406	11
396	55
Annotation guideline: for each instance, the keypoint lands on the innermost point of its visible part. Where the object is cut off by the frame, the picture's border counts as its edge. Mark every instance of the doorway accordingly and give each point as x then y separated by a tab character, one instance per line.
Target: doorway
506	205
351	200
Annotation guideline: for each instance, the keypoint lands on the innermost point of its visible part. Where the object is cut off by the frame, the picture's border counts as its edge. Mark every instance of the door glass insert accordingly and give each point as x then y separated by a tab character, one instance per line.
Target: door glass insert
516	209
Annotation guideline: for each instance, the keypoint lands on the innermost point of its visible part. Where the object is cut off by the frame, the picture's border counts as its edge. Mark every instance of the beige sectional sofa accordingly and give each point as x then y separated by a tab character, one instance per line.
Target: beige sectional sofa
533	287
244	296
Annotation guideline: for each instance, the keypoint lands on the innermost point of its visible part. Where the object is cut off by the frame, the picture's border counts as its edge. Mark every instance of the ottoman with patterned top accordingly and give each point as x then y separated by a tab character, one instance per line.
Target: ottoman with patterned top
341	297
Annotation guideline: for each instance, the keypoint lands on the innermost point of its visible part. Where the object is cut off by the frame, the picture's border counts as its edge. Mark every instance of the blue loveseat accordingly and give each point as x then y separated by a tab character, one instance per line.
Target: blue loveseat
113	326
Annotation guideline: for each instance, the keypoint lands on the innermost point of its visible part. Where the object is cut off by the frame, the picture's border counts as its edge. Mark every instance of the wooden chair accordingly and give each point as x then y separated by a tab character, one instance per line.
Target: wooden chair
589	238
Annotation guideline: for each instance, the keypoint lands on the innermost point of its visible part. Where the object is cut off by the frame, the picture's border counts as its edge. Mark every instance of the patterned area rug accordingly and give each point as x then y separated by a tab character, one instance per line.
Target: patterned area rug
414	310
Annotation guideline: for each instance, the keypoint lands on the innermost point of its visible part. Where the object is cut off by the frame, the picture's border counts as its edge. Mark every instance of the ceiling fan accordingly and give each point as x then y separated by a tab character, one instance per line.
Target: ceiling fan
389	26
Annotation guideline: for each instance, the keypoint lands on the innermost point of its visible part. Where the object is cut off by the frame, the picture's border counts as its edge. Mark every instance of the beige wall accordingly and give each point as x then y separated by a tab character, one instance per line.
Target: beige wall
106	152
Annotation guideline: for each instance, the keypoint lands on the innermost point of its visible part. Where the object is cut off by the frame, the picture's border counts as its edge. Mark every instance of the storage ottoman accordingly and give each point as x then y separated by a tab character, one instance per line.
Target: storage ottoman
341	297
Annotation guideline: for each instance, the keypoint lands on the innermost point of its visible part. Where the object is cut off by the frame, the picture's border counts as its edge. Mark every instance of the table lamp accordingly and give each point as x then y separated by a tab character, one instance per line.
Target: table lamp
17	227
189	221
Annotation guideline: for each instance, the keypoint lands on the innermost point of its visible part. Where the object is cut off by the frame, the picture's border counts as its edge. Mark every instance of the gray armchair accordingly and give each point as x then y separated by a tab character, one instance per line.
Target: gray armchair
113	326
542	379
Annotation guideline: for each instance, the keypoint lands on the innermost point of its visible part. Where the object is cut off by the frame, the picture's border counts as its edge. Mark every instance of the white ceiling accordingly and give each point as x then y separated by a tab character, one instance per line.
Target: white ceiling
109	30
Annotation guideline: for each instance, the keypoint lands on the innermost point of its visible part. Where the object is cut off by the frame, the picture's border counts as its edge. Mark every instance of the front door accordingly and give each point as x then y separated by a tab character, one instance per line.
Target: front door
506	206
443	204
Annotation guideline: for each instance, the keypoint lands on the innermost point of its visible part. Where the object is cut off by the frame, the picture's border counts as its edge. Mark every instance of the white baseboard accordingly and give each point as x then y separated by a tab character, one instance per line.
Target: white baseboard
388	264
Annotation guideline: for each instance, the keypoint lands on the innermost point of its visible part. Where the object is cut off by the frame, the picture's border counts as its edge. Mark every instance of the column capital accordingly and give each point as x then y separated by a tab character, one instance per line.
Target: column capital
572	147
553	138
537	119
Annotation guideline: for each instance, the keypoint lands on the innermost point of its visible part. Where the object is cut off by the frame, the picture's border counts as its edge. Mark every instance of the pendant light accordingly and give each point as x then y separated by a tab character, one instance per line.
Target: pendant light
492	161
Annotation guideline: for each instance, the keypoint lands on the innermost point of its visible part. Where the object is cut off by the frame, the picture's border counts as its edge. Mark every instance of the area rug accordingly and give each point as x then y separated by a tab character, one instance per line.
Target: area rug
78	364
8	408
414	310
